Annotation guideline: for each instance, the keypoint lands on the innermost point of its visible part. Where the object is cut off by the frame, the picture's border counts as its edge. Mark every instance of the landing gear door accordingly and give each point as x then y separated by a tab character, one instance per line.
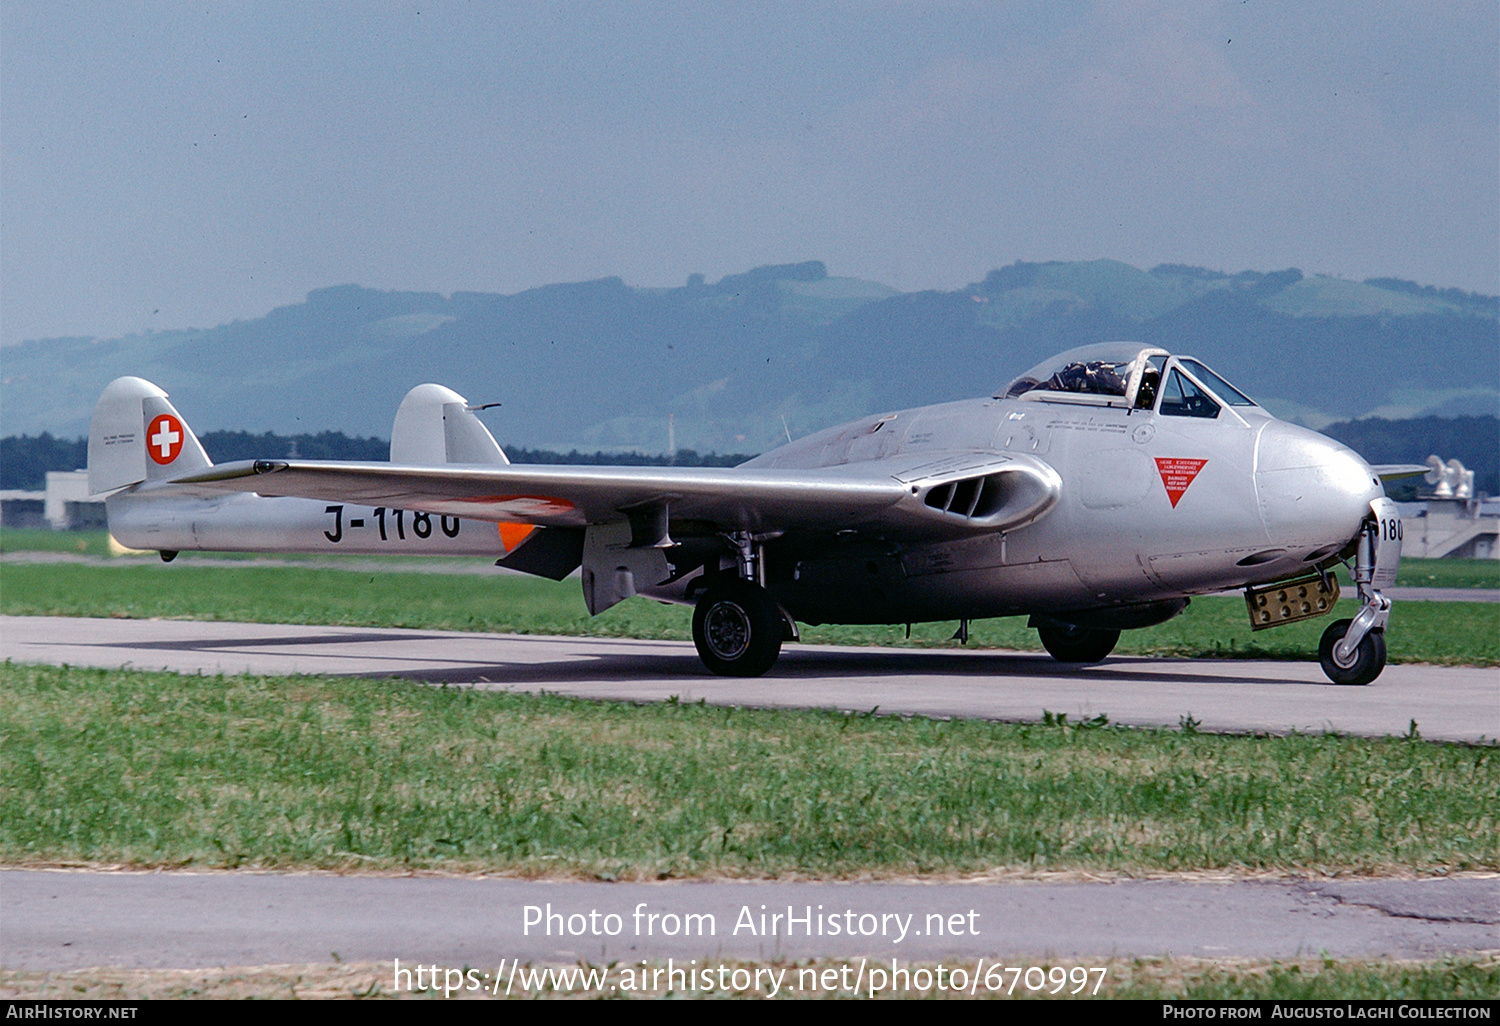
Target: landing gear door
1387	554
613	569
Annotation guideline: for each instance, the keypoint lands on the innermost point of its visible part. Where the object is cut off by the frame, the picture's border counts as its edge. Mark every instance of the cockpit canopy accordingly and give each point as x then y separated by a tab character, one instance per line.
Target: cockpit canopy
1128	374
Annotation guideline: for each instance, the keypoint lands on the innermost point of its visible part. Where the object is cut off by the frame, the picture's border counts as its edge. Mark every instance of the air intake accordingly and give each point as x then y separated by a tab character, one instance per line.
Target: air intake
972	498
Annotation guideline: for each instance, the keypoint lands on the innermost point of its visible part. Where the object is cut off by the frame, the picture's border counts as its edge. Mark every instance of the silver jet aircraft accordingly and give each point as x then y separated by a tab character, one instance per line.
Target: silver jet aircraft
1099	491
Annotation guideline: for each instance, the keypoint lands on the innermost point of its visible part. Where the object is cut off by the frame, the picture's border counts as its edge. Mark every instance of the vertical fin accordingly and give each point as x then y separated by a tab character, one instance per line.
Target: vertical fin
137	435
434	426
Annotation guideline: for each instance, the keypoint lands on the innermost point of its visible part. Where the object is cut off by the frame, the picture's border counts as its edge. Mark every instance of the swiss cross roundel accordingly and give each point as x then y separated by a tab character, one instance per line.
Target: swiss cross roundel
164	438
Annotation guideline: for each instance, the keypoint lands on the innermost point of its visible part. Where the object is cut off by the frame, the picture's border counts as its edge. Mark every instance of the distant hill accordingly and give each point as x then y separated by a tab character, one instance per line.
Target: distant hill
1473	441
25	461
741	363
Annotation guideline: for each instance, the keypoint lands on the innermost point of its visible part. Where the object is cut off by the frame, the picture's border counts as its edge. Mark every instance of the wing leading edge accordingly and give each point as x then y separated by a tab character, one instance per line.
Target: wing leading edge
898	499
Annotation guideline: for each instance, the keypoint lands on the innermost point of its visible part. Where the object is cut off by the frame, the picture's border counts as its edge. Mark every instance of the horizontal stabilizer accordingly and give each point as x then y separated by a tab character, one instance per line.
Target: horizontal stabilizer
1396	471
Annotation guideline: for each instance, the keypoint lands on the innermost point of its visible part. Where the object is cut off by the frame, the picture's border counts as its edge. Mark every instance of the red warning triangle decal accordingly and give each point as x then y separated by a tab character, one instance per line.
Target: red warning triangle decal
1177	475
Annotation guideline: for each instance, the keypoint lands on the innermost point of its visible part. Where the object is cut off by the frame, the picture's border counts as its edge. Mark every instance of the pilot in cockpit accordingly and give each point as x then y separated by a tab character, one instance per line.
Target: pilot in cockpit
1096	377
1145	395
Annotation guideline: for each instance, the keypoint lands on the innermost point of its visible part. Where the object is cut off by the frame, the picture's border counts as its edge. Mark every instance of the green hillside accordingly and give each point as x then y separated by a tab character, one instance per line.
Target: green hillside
741	363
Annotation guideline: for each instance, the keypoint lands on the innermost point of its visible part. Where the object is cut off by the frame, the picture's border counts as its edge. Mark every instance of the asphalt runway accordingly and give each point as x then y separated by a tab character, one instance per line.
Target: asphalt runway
1447	703
66	919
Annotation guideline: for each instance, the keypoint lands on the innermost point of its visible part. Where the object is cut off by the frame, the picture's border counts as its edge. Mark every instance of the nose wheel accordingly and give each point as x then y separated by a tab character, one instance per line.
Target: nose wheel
737	628
1359	665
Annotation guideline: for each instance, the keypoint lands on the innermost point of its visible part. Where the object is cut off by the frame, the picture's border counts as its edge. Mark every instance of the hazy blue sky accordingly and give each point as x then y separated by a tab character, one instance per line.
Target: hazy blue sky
170	165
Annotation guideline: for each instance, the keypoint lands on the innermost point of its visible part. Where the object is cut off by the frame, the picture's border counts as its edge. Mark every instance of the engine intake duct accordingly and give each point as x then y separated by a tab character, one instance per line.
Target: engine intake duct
973	498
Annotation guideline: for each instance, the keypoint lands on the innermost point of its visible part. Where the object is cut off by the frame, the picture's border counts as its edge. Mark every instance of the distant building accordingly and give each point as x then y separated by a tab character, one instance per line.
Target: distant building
1456	528
1451	522
22	510
69	507
65	506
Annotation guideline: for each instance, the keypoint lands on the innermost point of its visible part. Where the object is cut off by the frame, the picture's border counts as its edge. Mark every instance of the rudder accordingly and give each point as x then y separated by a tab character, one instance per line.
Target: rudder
435	426
137	435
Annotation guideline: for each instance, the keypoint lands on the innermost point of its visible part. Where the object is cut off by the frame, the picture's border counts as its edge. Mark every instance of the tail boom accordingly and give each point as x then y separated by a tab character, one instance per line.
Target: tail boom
140	449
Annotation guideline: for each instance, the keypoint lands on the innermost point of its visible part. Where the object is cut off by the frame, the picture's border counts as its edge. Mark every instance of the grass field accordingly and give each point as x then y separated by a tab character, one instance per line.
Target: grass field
1430	632
162	770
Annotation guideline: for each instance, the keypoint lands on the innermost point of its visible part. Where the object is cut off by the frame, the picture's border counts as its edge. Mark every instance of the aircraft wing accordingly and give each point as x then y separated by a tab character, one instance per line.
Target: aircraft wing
924	500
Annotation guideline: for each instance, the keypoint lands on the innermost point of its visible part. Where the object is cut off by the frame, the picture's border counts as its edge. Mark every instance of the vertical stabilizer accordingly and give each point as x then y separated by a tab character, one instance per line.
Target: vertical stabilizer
434	426
137	435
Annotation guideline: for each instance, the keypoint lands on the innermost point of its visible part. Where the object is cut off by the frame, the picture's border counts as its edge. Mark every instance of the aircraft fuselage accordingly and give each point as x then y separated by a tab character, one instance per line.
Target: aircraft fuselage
1152	509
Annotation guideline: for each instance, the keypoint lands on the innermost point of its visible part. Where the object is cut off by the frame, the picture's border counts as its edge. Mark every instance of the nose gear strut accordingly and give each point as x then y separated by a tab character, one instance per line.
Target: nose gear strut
1353	651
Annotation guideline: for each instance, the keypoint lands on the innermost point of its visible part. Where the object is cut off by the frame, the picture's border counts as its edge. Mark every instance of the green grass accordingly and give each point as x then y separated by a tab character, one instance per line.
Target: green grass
91	543
1449	573
1326	979
1430	632
162	770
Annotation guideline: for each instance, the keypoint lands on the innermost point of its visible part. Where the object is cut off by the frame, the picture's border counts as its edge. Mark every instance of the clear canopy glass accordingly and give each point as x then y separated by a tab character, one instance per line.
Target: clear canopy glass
1130	371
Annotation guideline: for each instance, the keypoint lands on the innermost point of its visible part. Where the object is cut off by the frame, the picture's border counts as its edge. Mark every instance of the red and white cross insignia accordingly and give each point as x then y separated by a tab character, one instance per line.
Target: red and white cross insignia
164	438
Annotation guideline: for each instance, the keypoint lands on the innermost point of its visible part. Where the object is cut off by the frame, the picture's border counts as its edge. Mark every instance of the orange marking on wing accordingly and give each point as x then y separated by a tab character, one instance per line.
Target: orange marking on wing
540	505
512	535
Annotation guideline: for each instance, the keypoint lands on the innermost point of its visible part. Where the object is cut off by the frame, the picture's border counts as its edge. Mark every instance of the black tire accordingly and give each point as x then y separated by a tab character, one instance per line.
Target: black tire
1369	657
737	628
1069	644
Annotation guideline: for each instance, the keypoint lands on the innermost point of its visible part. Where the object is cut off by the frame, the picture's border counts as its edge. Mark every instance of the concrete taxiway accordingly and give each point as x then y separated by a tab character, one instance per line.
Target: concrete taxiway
1446	703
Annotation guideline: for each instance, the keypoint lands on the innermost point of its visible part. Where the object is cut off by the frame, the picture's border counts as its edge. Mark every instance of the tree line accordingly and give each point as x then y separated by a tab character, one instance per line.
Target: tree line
25	460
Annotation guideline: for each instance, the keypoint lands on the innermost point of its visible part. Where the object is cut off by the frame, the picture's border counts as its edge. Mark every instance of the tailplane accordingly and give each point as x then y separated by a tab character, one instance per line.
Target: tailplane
137	435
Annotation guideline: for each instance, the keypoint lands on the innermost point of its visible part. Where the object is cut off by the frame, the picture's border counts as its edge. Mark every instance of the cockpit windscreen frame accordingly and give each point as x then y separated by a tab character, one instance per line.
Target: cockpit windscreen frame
1129	375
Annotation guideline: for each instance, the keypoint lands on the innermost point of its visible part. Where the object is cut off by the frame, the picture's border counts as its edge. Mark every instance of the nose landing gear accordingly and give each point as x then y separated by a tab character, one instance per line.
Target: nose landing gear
1353	651
1357	664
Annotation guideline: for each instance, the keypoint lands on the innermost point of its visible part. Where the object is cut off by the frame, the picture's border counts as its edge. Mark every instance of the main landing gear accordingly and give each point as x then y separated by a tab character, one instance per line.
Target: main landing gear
1069	644
737	627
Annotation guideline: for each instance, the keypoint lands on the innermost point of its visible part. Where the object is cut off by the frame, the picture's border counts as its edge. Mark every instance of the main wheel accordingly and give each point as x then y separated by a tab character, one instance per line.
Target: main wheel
737	628
1069	644
1365	665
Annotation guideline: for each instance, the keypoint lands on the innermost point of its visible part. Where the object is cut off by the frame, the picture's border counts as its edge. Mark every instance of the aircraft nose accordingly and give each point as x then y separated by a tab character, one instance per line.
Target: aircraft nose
1313	492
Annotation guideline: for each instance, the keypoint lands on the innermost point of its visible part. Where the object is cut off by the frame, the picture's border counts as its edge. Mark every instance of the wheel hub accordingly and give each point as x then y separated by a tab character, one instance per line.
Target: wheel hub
1342	660
726	628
